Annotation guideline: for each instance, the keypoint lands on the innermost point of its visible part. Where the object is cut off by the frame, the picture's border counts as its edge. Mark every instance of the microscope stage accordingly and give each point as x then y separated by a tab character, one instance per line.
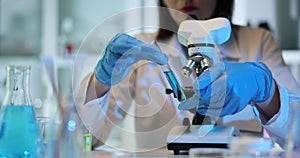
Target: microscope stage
186	137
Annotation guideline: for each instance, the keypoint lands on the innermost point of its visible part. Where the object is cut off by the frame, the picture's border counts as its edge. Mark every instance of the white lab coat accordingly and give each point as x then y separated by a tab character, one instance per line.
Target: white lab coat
155	112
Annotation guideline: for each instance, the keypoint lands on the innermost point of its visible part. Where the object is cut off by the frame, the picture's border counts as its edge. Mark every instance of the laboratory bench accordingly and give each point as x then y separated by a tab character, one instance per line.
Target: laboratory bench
168	154
108	152
119	154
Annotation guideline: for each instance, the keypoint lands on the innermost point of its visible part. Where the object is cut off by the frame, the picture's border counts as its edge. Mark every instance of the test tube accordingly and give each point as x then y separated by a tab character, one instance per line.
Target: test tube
176	88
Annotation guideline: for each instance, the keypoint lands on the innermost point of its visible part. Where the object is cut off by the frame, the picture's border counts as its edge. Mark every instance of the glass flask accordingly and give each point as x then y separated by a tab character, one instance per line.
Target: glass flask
19	131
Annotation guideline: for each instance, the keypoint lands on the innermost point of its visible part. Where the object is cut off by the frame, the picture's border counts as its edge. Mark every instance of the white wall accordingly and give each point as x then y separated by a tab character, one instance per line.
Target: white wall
254	11
276	13
240	12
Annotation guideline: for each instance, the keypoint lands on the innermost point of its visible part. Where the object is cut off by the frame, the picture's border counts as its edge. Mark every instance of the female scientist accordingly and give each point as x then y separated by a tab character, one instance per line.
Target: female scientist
258	83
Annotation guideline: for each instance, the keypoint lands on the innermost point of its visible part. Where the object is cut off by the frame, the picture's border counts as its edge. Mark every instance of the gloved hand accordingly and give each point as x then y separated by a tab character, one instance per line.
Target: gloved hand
122	51
227	88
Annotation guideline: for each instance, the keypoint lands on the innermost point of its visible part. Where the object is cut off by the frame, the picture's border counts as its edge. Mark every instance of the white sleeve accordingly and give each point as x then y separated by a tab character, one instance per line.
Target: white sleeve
278	126
99	115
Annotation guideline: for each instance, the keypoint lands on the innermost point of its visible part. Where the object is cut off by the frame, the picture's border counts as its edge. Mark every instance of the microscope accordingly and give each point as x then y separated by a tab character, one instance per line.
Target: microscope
200	37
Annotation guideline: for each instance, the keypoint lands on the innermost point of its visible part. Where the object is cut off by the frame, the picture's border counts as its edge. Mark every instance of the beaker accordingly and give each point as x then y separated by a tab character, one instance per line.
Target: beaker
19	131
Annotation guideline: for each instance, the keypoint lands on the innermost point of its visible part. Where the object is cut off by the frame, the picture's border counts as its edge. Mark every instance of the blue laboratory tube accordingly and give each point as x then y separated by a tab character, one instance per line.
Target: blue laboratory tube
176	88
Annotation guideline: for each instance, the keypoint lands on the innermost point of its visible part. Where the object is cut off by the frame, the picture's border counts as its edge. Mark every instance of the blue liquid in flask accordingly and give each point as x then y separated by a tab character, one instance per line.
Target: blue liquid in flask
14	143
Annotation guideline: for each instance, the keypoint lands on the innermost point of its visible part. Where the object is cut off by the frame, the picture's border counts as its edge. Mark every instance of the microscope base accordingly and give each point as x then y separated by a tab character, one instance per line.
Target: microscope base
182	138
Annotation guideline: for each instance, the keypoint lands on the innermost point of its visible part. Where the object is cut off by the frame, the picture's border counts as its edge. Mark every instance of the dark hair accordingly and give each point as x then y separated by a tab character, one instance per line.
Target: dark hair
224	8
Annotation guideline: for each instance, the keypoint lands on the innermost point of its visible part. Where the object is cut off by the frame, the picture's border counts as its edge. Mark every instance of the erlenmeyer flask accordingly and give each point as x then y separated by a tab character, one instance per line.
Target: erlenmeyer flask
19	131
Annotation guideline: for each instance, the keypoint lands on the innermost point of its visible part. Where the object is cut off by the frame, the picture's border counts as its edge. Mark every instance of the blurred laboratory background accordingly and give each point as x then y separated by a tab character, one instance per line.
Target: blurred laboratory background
30	29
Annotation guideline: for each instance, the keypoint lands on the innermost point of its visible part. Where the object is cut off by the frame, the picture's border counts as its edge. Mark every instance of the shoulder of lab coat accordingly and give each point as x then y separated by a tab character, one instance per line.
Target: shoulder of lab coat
259	45
146	37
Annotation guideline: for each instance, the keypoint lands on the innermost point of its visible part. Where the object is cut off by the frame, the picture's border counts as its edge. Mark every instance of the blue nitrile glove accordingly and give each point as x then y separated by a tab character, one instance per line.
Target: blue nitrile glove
228	88
122	51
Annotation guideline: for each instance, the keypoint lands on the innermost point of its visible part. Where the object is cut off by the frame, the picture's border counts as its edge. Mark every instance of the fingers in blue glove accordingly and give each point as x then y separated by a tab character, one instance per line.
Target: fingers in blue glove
190	103
210	75
120	54
222	111
135	50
